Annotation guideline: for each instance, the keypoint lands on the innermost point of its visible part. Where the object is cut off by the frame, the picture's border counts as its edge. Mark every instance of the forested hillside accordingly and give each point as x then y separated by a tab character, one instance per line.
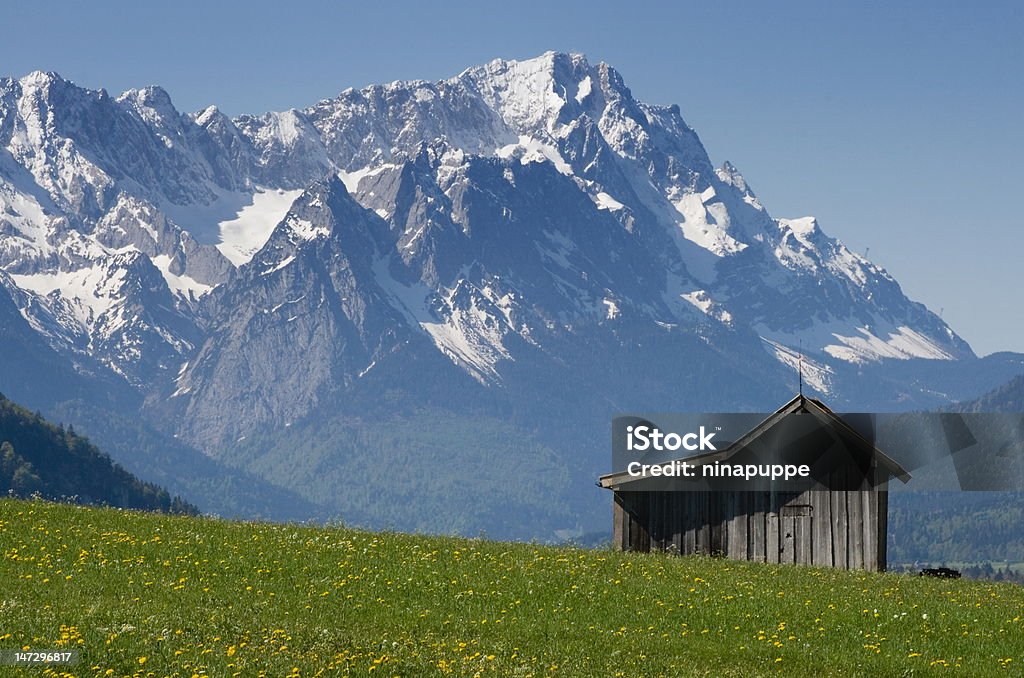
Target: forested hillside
37	457
1007	398
971	530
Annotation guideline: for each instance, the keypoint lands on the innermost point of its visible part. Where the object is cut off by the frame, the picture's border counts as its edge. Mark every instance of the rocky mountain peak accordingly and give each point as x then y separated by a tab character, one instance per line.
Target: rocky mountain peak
541	182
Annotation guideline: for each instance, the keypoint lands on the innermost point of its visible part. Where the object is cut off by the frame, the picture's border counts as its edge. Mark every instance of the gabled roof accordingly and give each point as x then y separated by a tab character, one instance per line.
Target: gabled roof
799	404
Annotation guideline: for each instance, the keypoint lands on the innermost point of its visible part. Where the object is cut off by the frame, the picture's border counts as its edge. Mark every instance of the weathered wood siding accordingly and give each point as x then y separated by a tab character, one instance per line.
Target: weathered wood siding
827	528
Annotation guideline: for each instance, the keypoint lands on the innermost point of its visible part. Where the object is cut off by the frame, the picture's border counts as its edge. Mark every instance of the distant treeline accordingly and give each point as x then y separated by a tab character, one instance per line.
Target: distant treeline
984	571
956	527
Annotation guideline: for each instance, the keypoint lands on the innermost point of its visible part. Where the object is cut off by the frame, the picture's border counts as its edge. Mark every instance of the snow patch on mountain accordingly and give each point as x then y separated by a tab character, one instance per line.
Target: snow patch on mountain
237	223
529	150
900	343
707	226
612	308
23	214
607	202
852	341
459	320
584	89
470	336
182	284
304	229
524	93
700	299
279	265
352	179
804	246
243	236
90	292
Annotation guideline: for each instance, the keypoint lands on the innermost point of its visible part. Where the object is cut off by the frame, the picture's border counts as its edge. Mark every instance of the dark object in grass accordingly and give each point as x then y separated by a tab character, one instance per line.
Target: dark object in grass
942	572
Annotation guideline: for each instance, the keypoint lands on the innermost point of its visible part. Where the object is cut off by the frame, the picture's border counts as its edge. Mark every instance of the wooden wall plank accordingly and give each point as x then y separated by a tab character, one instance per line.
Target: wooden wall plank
692	523
758	536
870	536
818	531
677	522
837	502
773	527
823	544
704	528
670	524
716	516
855	513
657	520
729	502
645	532
882	497
787	541
620	524
739	538
803	539
639	523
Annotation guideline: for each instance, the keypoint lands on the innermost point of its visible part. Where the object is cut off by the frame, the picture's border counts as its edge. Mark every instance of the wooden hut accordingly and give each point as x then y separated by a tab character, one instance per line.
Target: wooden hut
835	528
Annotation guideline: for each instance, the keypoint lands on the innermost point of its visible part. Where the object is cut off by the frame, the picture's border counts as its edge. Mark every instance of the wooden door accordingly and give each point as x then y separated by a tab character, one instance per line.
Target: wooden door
796	534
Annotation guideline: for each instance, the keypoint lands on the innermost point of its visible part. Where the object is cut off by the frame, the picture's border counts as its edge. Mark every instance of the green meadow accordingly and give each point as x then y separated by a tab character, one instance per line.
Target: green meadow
143	594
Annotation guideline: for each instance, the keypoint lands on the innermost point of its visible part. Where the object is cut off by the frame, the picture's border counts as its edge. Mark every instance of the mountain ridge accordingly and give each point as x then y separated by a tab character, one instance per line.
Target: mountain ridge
473	244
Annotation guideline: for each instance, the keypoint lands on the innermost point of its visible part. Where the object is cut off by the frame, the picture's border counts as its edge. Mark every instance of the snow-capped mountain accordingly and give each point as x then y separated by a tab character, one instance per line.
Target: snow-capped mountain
523	227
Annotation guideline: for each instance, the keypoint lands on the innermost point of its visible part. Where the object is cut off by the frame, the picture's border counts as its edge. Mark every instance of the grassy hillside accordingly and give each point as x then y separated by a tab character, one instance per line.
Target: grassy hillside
156	595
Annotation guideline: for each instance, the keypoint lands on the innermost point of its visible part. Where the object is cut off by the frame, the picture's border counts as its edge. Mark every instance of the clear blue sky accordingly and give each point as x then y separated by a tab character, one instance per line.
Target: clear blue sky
899	127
